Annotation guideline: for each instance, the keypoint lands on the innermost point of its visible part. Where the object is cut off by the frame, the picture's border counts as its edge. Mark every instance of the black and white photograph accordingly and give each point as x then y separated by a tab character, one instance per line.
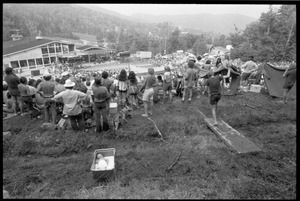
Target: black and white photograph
149	100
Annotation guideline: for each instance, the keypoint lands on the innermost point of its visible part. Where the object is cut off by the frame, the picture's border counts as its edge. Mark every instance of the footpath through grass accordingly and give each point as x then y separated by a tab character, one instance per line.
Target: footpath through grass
56	164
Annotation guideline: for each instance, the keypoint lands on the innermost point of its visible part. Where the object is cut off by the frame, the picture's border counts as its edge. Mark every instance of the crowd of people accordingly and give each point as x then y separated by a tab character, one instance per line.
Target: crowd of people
87	94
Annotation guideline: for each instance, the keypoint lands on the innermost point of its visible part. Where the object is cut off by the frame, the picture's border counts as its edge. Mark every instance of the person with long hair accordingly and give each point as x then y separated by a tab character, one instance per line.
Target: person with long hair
133	89
122	87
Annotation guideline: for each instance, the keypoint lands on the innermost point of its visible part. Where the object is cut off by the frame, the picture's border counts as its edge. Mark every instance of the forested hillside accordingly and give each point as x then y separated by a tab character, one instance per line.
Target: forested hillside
272	37
53	19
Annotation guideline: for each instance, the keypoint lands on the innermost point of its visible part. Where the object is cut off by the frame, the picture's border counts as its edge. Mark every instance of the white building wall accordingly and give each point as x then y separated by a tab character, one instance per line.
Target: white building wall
30	54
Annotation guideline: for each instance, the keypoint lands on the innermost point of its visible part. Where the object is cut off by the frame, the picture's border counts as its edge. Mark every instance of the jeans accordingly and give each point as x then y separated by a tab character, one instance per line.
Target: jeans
77	122
100	109
50	106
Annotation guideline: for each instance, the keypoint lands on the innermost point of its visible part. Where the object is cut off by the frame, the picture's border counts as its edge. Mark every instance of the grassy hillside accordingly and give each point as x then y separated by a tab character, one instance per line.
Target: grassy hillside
56	164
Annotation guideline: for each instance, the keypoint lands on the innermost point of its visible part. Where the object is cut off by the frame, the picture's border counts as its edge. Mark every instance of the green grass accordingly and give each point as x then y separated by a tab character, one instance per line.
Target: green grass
56	164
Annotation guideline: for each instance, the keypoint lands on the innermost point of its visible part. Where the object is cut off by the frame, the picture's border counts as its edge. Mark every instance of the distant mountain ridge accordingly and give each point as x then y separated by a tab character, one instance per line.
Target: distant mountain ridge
223	23
205	22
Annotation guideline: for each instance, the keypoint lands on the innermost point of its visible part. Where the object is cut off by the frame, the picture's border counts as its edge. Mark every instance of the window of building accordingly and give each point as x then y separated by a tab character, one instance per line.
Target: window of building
71	48
53	59
14	64
58	47
31	63
44	50
39	61
46	61
65	48
51	48
23	63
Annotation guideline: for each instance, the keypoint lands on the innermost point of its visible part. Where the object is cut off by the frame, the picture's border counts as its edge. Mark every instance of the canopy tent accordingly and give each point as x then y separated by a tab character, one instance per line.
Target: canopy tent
274	81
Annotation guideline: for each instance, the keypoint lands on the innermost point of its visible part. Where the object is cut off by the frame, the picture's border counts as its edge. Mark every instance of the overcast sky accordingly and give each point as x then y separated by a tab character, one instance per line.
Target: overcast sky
252	10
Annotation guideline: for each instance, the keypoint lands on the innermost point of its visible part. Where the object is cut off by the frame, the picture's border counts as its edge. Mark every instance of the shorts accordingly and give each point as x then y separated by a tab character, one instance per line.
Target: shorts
148	94
288	85
167	86
214	99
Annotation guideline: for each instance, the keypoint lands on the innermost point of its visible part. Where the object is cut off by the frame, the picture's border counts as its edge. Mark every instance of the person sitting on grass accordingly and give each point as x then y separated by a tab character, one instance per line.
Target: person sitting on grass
25	94
148	85
7	101
214	91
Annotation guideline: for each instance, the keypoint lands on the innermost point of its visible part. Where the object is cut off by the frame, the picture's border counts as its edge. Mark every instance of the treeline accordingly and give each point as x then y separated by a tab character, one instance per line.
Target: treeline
272	37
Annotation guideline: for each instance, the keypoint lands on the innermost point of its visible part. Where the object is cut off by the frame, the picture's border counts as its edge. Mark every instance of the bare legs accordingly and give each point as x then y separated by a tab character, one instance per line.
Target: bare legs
214	113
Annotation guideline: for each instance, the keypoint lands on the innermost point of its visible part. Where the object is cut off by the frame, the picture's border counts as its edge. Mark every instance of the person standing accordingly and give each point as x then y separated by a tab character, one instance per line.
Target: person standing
148	85
72	108
13	81
47	87
133	89
190	78
290	76
122	87
107	82
167	84
101	97
214	91
249	67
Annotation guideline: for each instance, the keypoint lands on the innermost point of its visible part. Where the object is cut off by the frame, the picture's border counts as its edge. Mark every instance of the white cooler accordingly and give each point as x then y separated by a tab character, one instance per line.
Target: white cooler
255	88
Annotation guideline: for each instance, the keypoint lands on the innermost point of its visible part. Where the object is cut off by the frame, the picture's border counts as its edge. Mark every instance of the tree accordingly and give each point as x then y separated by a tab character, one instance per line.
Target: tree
200	47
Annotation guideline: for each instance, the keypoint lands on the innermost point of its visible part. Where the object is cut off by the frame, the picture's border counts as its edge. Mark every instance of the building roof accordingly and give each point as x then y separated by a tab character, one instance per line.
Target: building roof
10	47
85	47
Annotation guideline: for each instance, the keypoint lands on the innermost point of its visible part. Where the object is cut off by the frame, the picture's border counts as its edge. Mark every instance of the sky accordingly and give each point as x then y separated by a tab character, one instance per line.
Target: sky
251	10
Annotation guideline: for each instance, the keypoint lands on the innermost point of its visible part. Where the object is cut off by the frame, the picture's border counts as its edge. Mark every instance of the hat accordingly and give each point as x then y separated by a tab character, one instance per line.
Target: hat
69	83
65	73
46	74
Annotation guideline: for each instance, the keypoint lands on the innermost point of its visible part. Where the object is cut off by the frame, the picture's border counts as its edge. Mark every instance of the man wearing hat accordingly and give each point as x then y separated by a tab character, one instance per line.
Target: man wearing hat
47	87
65	75
72	108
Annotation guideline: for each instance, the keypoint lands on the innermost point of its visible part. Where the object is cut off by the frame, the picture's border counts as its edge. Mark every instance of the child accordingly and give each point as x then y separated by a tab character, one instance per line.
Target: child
214	91
101	163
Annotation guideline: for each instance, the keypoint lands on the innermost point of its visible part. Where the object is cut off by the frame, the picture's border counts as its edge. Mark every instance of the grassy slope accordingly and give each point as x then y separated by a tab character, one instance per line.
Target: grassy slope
55	164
